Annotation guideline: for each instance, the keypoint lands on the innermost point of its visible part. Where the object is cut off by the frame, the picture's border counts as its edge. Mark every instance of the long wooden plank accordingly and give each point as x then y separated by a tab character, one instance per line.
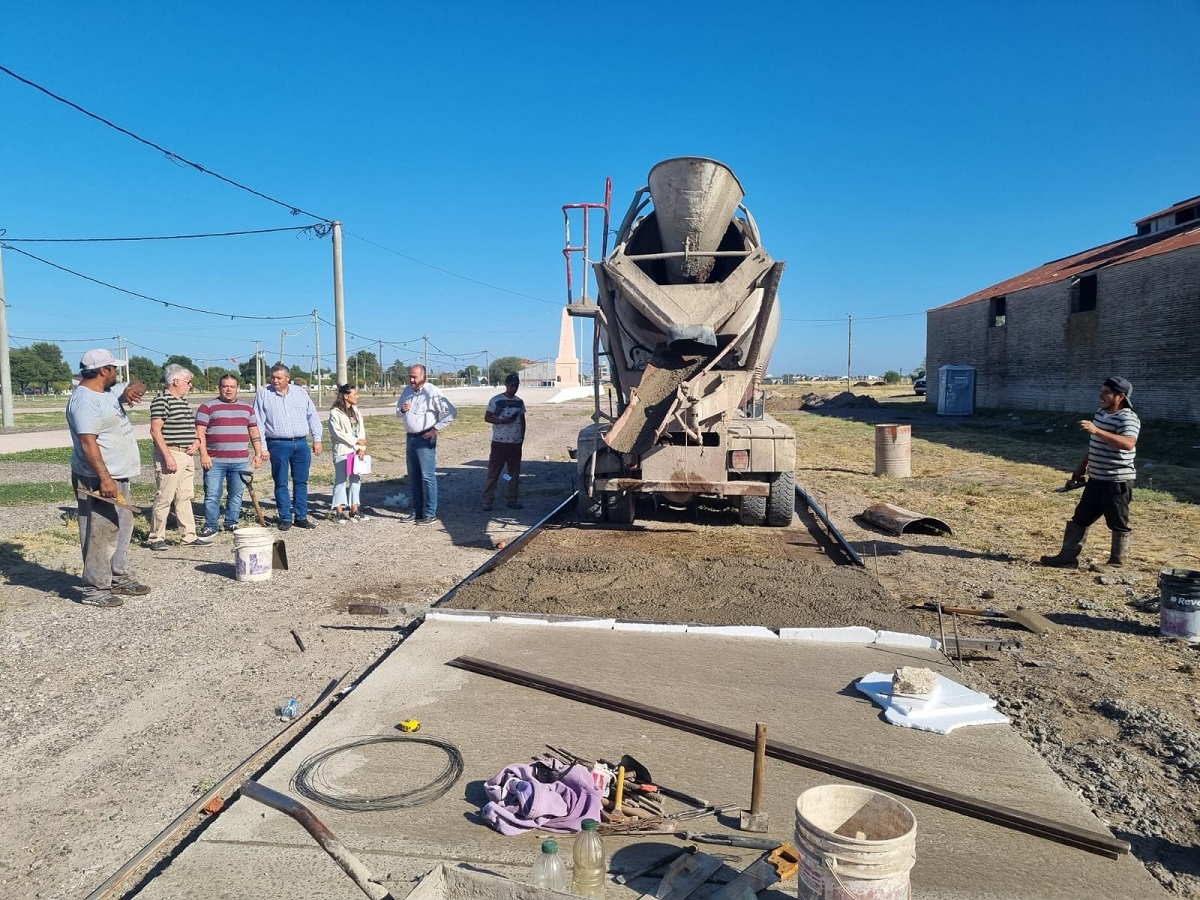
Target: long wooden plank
1092	841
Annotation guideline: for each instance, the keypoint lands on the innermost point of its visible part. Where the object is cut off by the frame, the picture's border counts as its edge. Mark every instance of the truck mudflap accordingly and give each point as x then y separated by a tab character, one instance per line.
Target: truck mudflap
719	488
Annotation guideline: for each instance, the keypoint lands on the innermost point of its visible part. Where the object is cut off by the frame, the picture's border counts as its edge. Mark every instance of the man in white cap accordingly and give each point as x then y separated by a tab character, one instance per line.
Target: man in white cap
103	459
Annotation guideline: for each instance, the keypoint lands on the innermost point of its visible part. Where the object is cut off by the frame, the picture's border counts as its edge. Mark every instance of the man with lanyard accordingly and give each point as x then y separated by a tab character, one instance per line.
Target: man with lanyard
506	414
425	411
173	431
224	425
287	416
1109	469
104	456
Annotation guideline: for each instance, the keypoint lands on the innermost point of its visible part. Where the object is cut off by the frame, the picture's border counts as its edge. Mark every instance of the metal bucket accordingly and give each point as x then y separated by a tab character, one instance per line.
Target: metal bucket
893	450
1179	604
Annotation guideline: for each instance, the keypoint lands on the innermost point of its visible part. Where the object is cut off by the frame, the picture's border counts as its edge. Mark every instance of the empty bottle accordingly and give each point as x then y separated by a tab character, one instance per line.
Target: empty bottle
549	871
289	710
590	867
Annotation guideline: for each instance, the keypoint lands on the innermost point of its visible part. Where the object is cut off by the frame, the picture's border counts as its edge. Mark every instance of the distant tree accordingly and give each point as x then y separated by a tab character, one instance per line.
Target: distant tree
40	364
504	366
145	370
891	376
363	368
470	373
397	372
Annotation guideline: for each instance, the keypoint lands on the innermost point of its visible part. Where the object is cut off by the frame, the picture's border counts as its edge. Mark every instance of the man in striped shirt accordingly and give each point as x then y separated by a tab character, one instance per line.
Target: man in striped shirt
287	417
1109	469
224	425
173	431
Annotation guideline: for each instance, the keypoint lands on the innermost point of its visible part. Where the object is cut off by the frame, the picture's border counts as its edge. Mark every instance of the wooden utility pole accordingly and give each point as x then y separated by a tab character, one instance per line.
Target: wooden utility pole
339	305
317	367
6	394
849	344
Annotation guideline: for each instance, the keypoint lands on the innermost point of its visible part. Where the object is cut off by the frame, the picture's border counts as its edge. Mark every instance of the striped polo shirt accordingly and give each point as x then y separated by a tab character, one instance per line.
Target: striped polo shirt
179	422
227	427
1107	463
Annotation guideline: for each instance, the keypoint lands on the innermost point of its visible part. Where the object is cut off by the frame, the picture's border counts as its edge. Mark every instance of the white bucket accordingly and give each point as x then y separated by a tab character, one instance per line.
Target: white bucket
252	553
854	843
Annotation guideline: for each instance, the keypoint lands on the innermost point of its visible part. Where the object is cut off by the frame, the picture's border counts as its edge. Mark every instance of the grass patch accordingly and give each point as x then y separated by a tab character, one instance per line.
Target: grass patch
59	492
63	454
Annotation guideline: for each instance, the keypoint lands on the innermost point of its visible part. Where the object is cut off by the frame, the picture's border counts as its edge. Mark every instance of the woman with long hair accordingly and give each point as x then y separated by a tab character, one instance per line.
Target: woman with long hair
349	438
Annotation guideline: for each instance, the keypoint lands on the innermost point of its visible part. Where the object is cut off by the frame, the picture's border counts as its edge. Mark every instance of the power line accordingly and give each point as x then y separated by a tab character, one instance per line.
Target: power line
319	230
174	157
207	312
842	320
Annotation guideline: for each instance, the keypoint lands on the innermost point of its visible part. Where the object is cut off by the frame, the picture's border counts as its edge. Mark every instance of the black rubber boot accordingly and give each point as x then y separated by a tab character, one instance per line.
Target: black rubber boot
1068	557
1118	554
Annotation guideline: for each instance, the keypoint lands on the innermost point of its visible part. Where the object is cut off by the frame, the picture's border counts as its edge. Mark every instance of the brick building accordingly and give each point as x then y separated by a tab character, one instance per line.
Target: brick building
1047	339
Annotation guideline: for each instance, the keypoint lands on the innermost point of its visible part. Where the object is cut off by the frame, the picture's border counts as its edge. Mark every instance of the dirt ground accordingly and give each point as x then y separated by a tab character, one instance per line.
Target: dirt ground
113	721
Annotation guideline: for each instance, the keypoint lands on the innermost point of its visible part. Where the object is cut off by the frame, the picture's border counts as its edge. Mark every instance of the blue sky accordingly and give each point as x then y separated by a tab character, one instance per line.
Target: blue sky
897	156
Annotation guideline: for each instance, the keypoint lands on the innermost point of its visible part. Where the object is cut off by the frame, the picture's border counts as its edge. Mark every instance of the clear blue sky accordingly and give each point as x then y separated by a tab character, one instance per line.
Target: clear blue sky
897	156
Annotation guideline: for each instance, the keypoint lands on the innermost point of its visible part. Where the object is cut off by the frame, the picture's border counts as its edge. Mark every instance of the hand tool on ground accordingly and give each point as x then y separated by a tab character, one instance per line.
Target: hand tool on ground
755	819
729	840
780	864
638	774
248	481
685	875
617	814
666	859
1027	618
358	873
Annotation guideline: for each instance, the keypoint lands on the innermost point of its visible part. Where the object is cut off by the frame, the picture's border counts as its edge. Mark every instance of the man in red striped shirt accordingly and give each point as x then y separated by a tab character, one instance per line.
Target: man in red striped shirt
223	426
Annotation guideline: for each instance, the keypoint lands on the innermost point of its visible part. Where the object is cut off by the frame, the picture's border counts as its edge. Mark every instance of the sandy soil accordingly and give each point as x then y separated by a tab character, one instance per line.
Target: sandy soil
113	721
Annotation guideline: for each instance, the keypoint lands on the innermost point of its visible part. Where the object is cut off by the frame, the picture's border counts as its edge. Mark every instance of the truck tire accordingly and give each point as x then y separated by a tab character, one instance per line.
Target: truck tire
622	507
590	509
781	502
752	511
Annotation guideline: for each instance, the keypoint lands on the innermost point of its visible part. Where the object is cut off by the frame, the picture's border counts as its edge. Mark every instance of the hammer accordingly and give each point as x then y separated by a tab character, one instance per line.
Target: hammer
756	820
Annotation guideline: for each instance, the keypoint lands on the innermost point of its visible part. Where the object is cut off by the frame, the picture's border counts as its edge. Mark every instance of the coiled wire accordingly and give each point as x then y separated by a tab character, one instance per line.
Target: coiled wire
308	780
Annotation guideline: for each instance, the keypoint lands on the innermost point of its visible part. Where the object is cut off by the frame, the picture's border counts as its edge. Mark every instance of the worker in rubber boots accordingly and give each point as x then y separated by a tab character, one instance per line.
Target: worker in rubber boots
1110	473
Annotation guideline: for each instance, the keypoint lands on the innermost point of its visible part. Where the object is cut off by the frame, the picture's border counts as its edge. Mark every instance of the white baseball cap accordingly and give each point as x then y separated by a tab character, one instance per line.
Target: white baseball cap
97	359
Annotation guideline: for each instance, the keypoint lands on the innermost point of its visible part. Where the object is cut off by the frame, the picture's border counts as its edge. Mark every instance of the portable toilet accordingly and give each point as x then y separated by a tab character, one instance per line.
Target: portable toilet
956	390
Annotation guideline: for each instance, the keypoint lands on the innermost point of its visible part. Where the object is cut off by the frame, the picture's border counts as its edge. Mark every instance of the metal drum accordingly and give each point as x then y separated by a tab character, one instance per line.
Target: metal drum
893	450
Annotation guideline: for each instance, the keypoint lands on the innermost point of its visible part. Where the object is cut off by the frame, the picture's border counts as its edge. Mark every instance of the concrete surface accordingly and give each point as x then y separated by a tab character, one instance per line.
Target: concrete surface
802	689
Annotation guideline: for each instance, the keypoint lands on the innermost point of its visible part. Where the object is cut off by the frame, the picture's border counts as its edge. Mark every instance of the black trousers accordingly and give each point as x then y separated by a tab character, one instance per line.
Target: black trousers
1105	498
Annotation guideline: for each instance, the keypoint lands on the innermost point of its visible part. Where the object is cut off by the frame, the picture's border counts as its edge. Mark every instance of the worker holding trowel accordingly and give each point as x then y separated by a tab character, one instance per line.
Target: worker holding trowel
104	457
1109	469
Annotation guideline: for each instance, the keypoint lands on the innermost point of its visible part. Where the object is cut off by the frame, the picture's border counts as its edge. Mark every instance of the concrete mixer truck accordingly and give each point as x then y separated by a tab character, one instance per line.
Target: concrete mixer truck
686	316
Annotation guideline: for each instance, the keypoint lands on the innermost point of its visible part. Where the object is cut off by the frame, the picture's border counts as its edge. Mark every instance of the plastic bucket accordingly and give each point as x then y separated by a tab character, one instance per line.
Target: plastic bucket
252	553
893	450
854	843
1179	604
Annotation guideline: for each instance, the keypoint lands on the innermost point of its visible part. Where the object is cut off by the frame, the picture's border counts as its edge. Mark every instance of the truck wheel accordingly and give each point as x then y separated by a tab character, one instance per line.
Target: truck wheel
781	502
590	509
752	511
622	507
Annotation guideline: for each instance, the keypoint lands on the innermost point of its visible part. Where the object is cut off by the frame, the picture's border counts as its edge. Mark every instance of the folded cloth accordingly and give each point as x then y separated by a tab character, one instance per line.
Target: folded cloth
559	800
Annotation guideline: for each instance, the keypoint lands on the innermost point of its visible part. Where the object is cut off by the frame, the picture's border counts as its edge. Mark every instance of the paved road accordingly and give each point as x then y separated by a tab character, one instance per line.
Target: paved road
465	396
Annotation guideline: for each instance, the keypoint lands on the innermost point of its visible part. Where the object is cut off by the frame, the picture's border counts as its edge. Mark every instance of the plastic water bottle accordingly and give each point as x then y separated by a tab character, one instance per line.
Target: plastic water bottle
549	871
591	867
289	710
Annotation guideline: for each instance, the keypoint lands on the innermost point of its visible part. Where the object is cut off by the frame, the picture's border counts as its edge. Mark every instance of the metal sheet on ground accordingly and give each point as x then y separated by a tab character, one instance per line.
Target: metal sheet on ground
801	689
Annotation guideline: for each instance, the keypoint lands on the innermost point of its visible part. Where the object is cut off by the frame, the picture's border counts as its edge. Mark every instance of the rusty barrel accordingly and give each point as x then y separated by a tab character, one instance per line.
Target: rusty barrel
893	450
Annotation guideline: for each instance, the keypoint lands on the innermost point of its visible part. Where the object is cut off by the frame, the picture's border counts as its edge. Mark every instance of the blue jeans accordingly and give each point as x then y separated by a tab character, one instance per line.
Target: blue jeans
344	489
421	456
224	472
294	457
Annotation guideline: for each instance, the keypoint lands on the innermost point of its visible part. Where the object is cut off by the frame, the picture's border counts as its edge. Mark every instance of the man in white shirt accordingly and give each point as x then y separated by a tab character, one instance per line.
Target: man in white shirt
425	411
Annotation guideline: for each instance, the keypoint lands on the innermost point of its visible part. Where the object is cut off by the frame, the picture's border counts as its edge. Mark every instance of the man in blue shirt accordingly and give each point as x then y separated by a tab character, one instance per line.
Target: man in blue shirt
287	416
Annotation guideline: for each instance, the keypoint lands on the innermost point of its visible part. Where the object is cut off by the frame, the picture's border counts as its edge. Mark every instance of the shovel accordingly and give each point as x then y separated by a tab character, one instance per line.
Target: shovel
248	481
1026	618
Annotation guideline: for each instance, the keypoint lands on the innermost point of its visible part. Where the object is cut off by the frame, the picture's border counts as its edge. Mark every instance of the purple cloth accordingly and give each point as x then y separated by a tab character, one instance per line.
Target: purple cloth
518	802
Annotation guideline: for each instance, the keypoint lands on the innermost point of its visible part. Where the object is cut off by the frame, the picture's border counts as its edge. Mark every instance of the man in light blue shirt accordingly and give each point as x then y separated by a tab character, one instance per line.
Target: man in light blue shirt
425	411
287	416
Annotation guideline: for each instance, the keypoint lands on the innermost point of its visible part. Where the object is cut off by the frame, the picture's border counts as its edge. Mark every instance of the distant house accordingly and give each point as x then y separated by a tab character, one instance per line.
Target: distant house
1046	339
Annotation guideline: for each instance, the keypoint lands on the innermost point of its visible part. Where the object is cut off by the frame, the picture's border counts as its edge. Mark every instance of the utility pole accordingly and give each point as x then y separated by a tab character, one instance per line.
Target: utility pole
379	360
258	372
339	306
425	338
487	369
317	367
282	335
849	344
6	394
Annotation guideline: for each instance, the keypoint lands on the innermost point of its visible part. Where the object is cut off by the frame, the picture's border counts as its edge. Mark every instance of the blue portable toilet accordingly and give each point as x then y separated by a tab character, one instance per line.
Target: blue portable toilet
956	390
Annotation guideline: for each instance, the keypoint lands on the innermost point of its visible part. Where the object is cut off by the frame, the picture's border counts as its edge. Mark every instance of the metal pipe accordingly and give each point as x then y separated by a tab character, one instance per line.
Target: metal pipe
837	535
348	862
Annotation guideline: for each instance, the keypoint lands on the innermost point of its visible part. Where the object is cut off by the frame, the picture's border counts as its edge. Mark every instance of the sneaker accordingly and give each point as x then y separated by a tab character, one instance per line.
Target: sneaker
358	516
341	519
206	533
284	526
131	588
515	504
232	528
432	520
201	539
104	601
305	523
158	545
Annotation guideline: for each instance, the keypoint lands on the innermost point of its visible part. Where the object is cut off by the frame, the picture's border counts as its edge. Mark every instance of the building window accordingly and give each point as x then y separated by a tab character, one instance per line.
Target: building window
1083	293
998	311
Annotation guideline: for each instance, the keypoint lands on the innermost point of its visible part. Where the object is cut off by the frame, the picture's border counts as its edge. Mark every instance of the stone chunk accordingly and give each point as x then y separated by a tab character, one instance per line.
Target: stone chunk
911	680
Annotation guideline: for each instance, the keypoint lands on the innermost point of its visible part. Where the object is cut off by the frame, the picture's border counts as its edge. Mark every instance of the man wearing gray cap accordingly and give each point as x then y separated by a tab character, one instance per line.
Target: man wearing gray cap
104	458
1110	474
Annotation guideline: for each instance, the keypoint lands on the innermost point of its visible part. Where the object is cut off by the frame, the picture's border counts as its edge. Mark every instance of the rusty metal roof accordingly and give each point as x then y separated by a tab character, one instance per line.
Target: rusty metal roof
1112	254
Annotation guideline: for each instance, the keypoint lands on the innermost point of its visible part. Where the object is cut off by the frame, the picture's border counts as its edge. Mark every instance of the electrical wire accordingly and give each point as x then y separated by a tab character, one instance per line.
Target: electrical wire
174	157
309	781
318	230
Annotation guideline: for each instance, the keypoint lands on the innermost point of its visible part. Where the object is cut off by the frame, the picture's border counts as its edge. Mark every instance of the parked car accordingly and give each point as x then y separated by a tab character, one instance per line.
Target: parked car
919	387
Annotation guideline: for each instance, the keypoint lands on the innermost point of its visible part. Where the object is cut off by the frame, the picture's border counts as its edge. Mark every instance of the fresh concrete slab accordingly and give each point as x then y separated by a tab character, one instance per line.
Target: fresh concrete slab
803	690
